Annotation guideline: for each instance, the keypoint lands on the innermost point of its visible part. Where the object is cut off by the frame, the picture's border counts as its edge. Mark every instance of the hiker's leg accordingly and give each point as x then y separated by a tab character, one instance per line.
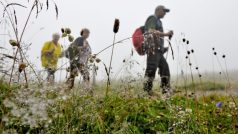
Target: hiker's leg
52	74
86	76
164	74
151	67
73	74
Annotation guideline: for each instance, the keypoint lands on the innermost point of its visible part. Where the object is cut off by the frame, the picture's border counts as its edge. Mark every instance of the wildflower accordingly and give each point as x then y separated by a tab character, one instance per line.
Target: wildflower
188	110
219	105
13	42
9	104
232	105
64	98
116	25
181	112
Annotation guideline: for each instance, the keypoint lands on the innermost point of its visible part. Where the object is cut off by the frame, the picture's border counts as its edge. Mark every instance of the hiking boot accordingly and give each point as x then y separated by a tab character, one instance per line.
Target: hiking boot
152	93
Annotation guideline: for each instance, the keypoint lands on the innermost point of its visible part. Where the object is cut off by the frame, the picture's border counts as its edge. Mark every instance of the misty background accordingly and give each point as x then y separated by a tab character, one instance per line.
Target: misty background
206	24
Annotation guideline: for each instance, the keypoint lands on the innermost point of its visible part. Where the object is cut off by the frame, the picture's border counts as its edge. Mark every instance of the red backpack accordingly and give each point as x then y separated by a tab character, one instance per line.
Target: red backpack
138	40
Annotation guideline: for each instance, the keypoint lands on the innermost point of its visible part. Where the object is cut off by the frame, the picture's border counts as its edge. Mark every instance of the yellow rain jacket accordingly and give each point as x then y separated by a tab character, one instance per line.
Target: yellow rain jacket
50	60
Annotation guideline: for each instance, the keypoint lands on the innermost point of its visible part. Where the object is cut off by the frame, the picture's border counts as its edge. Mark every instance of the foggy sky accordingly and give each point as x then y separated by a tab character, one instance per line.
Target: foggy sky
206	24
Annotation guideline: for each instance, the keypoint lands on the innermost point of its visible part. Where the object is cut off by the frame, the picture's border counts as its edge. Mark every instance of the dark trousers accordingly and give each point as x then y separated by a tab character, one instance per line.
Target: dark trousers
50	72
155	61
75	66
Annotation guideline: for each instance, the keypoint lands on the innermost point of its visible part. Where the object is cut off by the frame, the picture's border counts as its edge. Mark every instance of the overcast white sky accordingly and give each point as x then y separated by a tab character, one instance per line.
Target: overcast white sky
206	23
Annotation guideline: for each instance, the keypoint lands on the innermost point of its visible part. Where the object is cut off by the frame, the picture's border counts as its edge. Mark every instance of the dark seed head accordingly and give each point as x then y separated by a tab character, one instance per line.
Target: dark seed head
223	56
184	40
215	53
190	64
192	51
219	72
116	25
196	68
187	42
186	57
62	30
213	48
200	75
188	52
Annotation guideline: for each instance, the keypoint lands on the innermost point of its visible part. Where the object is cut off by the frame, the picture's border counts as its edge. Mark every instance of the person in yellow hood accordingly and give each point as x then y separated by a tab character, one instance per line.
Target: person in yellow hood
50	54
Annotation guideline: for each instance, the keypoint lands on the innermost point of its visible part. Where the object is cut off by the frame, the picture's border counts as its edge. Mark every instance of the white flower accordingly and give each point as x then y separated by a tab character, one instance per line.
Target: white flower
9	104
232	105
5	119
188	110
64	97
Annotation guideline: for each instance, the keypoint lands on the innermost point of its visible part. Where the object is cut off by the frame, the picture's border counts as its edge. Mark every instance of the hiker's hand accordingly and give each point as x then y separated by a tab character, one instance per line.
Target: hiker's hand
48	53
170	34
165	50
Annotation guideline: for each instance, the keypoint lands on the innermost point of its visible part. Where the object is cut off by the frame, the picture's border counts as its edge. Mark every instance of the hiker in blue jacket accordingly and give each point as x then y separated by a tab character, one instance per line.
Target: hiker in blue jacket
78	53
156	59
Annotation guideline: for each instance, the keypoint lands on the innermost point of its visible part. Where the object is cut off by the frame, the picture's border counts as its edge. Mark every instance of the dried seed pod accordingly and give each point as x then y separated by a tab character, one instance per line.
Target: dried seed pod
116	25
64	35
196	68
215	53
200	75
91	60
70	38
124	61
192	51
13	42
186	57
190	64
22	66
67	30
98	60
223	56
213	48
94	56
